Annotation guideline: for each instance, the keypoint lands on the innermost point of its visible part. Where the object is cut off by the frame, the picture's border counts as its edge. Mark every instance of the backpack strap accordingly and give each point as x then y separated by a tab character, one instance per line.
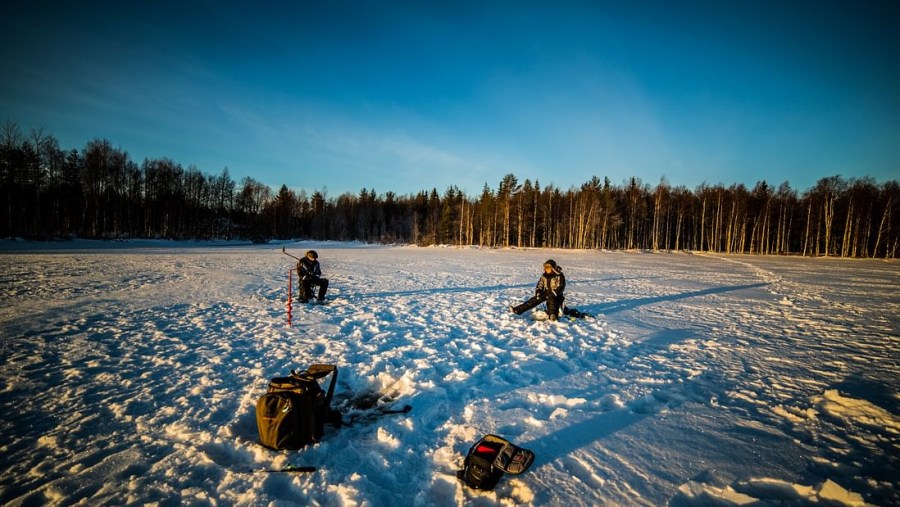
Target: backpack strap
317	371
330	393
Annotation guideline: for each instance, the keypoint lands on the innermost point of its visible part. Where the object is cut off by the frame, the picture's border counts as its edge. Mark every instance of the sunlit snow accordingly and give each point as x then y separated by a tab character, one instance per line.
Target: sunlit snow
130	373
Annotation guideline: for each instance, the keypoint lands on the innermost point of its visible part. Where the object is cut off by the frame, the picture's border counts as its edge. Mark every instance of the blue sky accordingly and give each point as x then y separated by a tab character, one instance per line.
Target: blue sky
414	95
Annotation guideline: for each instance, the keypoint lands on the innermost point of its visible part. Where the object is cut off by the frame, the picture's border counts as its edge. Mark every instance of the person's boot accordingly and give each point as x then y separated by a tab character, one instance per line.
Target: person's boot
323	287
524	307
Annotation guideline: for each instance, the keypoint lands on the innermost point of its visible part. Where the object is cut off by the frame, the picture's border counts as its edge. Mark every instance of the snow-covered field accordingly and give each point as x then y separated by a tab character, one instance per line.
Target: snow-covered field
130	374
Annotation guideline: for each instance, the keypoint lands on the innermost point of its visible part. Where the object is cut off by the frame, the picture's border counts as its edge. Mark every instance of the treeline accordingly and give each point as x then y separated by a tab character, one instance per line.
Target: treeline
99	192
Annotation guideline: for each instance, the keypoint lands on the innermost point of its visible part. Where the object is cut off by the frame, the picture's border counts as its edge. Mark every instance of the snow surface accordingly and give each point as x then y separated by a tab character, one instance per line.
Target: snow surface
130	373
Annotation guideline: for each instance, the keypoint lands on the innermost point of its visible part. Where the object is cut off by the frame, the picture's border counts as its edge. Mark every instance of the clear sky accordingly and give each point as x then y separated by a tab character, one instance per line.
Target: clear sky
414	95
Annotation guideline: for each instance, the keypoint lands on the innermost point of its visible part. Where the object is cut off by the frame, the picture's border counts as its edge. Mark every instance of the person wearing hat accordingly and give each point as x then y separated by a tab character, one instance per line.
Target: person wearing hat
549	288
310	274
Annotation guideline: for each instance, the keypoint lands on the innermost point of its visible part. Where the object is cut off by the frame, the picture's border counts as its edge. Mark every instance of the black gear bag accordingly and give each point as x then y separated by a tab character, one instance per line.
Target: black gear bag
489	458
295	409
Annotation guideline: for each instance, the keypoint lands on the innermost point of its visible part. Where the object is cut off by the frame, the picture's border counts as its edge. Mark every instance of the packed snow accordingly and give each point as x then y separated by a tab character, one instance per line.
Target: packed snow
130	373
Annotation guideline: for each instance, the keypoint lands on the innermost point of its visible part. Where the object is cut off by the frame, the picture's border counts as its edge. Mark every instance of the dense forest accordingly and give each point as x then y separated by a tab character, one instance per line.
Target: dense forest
99	192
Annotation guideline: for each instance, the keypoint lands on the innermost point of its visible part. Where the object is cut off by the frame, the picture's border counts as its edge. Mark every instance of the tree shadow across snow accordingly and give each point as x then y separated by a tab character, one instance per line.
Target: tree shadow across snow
571	438
581	434
487	288
630	304
574	437
438	290
575	281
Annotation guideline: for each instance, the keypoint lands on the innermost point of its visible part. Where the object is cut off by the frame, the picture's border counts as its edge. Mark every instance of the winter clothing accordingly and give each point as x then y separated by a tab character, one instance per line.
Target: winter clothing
549	289
310	274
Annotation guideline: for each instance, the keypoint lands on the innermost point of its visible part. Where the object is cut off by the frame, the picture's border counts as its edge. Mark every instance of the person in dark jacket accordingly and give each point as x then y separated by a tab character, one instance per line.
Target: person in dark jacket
310	274
549	288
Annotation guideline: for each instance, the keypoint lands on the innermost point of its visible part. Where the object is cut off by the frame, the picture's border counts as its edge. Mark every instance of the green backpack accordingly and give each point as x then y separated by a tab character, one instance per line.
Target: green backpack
293	413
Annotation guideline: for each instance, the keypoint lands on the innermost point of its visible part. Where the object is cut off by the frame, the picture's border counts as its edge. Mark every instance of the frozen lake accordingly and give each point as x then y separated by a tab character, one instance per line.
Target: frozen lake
130	375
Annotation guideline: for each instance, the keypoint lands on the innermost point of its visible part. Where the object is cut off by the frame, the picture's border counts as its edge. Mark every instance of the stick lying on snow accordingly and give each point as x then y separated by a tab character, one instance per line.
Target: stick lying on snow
287	469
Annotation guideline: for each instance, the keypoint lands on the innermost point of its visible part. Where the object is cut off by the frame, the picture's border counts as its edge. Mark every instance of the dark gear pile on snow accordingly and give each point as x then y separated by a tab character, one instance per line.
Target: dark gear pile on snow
489	458
295	409
574	313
